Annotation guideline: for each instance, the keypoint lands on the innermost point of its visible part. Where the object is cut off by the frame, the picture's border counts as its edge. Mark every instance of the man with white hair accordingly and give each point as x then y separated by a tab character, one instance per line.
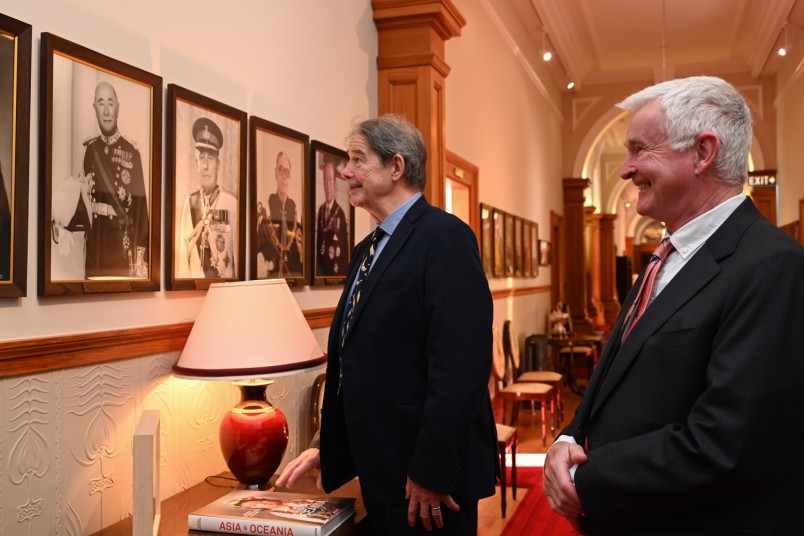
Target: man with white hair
691	423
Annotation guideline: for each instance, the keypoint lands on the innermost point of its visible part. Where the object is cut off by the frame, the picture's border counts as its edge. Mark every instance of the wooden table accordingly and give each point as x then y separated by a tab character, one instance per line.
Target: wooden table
564	360
175	509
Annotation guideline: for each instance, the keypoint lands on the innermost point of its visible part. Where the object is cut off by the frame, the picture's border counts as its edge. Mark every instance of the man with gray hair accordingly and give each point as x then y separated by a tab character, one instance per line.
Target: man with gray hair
691	423
406	403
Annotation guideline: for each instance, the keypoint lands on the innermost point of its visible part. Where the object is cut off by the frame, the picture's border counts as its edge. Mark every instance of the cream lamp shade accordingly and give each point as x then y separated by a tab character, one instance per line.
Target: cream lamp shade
249	329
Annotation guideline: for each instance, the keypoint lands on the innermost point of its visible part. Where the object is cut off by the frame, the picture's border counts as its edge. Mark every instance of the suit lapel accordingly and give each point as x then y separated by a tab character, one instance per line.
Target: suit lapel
391	250
700	270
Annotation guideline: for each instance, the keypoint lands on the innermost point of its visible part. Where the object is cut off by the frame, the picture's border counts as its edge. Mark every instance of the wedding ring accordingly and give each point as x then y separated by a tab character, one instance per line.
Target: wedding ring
435	508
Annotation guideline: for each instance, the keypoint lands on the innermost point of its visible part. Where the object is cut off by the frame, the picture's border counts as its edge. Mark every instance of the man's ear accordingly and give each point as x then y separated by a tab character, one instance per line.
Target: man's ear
398	167
707	147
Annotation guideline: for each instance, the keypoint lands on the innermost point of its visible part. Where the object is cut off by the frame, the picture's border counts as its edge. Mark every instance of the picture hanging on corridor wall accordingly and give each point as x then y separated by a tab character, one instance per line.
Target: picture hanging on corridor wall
487	239
499	242
279	220
534	249
508	223
15	106
100	168
334	232
527	266
206	191
544	253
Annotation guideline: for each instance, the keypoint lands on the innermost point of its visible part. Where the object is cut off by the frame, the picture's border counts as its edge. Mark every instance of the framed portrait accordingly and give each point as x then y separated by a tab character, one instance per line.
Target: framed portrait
333	232
518	261
545	255
15	115
206	191
487	239
498	217
100	173
534	249
526	249
508	250
280	197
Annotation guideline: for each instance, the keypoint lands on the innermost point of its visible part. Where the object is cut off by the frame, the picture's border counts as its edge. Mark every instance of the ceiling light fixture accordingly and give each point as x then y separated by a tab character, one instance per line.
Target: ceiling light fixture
785	44
547	54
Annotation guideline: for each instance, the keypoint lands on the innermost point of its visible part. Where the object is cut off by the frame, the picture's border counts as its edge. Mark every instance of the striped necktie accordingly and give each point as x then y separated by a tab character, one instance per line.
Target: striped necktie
643	297
362	273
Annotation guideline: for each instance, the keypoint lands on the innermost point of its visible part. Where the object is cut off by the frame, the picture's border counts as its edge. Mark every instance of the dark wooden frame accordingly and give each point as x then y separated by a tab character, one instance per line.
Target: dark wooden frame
518	249
498	225
508	250
283	135
52	46
487	238
203	106
15	283
527	258
318	152
534	249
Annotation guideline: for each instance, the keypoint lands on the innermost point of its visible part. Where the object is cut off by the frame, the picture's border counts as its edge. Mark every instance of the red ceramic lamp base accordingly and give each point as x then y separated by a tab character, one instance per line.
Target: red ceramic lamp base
253	436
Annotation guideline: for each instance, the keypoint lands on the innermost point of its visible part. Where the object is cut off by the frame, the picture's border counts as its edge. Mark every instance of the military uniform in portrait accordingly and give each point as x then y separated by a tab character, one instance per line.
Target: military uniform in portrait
117	242
331	241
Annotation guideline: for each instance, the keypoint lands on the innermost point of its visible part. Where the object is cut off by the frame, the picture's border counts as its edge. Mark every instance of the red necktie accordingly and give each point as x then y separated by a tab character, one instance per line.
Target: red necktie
643	297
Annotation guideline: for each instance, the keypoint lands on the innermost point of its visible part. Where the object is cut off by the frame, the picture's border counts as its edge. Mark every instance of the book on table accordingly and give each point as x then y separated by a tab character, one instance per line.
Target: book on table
273	513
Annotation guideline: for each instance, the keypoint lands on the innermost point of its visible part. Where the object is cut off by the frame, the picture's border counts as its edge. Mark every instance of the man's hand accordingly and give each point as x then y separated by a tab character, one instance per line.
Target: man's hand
558	485
309	459
427	504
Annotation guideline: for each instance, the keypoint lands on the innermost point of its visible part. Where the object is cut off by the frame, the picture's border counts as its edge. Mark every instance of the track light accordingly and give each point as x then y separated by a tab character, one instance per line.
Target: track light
785	44
547	55
570	84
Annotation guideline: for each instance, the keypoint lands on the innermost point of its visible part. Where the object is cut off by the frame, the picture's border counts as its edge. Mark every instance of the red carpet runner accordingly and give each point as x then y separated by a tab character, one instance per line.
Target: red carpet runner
533	516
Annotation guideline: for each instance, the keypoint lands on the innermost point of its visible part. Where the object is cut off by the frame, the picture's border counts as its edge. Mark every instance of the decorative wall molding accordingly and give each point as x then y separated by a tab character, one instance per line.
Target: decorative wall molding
29	356
516	292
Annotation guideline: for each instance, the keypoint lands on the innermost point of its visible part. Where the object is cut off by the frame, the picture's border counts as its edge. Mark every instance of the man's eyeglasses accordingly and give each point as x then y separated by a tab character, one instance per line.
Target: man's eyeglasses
285	172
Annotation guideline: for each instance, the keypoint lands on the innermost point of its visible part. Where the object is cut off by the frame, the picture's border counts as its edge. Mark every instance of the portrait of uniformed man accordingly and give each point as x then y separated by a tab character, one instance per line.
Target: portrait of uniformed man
280	239
207	232
117	236
332	228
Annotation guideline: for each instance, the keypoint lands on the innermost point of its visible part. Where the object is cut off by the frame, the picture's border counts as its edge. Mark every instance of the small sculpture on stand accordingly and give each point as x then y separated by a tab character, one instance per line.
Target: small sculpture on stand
559	321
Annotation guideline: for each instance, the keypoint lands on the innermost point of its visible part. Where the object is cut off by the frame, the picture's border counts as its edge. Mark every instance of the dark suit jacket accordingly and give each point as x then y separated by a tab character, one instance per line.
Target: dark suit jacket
416	363
698	426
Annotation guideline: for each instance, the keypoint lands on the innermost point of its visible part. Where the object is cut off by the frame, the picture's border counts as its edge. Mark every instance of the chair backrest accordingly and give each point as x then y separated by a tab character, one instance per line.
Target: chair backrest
316	401
511	348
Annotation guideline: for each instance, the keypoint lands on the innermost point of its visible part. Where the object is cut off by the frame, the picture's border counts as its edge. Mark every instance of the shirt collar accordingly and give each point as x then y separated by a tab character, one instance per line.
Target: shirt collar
692	235
390	223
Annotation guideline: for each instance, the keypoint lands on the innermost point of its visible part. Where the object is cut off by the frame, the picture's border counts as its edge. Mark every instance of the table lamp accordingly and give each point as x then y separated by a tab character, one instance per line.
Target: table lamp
250	332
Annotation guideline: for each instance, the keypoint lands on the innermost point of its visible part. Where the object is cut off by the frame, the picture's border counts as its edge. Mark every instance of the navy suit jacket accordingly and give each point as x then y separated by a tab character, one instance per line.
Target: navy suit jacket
416	365
698	425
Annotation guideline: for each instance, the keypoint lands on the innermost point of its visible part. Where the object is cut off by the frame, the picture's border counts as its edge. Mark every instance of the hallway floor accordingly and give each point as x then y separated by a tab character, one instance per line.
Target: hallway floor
491	522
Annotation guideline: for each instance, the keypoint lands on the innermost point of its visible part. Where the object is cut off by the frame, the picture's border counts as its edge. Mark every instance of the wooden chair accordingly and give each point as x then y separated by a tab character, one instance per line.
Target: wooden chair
506	441
556	379
516	392
532	392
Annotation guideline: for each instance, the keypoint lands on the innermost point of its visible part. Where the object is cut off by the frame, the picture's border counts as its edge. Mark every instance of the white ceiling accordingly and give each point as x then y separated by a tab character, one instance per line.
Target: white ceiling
600	41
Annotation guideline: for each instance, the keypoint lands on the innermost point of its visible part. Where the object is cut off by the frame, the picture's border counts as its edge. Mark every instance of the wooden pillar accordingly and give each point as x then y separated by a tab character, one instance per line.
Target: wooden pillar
575	290
411	72
764	198
607	269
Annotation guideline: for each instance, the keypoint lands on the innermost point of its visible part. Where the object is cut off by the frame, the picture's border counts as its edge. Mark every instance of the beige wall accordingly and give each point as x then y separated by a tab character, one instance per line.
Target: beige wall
503	114
790	111
66	436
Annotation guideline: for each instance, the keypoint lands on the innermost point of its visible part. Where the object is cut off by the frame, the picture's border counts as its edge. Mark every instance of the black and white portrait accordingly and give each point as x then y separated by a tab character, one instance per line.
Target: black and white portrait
101	174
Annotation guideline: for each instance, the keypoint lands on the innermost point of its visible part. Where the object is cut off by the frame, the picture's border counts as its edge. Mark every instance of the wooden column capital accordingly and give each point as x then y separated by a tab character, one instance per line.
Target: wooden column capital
411	71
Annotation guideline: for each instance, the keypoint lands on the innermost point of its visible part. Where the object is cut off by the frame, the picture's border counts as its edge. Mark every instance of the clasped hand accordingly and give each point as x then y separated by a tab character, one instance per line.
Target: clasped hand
558	485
